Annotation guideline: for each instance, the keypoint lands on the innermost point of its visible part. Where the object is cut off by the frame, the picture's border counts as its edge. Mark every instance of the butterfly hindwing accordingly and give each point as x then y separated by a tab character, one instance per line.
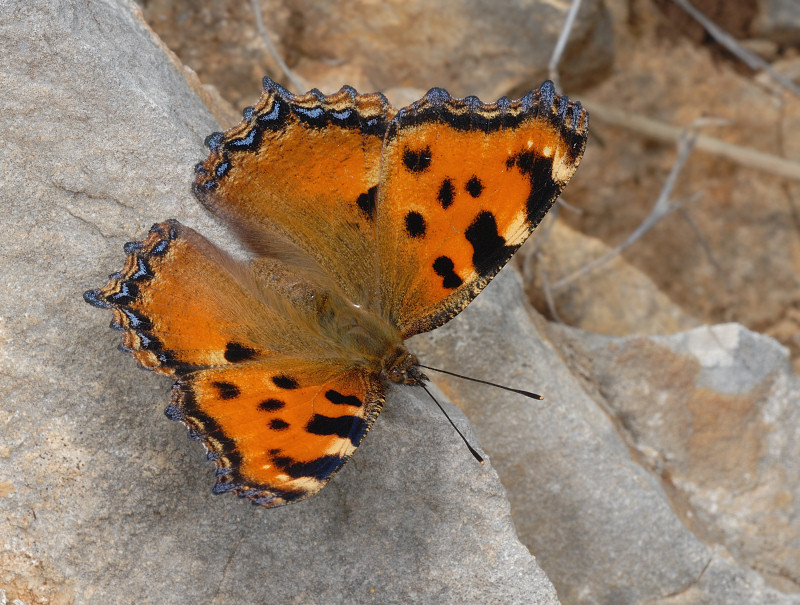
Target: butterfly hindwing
277	425
278	430
306	167
166	312
462	186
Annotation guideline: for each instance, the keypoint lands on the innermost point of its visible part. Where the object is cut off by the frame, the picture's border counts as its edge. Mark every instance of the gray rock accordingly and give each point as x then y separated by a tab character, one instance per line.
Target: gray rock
723	582
713	411
102	500
779	21
597	522
602	527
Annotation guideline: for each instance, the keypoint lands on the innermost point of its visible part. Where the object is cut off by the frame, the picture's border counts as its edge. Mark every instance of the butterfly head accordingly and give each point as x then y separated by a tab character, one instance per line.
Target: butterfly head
402	367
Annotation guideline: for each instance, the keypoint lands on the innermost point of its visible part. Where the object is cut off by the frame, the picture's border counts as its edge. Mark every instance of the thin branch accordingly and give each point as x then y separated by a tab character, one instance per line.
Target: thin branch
561	43
298	83
752	60
548	290
745	156
661	208
699	235
562	203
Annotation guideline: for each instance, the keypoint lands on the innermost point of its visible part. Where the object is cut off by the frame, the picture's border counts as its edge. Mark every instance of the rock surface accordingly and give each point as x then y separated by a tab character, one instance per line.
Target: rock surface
605	526
103	500
713	411
634	305
480	47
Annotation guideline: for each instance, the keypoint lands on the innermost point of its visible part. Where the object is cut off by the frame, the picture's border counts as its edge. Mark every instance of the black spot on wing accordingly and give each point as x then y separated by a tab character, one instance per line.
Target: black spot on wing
284	382
446	193
226	390
236	352
488	247
544	189
474	186
366	202
321	468
346	427
339	399
417	160
415	224
443	266
271	405
276	424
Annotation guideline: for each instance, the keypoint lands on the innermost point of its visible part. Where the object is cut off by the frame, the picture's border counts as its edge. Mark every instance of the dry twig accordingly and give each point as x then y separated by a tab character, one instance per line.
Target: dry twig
654	129
561	43
298	82
752	60
661	208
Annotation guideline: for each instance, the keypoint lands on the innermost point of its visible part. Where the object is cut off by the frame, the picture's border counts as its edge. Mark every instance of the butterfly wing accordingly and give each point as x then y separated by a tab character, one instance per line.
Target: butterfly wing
462	185
256	379
307	168
277	431
164	309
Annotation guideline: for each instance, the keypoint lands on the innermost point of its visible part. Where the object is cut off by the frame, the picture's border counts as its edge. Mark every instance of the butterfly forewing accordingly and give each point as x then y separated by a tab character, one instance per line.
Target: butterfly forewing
306	167
462	186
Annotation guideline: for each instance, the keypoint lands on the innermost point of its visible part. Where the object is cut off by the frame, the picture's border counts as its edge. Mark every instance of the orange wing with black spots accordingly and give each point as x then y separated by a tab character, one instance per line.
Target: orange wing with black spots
367	226
305	167
277	432
277	426
164	310
462	185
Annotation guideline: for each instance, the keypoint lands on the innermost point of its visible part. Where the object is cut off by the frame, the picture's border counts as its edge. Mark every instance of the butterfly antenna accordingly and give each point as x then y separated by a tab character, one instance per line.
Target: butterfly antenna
491	384
450	420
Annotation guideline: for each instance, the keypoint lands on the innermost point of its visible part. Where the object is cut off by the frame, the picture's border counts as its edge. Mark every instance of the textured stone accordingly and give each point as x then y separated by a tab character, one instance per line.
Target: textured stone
481	47
713	411
603	524
102	499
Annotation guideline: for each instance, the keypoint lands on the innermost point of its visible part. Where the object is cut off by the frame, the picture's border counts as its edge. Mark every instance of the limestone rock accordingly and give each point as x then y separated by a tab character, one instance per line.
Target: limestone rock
482	47
102	499
605	525
713	412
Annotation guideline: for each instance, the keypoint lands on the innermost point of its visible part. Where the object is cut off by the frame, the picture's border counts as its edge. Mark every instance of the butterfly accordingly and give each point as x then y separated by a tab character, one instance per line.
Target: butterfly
366	225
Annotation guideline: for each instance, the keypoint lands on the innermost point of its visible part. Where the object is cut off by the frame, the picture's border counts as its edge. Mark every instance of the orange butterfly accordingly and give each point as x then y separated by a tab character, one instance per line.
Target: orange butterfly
367	225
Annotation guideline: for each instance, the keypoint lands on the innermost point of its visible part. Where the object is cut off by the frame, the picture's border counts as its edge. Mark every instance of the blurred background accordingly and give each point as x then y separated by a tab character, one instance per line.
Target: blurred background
677	117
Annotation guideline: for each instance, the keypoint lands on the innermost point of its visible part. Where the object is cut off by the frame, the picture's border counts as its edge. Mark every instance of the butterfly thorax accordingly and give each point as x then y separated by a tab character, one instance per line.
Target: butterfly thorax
370	339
